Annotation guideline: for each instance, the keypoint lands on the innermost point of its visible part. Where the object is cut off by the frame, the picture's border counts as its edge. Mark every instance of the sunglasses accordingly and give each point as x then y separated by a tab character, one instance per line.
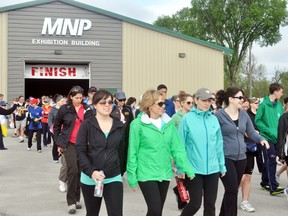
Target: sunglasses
160	104
239	97
77	89
104	102
189	102
121	100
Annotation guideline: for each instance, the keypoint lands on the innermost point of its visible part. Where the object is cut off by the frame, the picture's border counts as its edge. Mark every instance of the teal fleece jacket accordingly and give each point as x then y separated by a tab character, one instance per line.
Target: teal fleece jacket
151	150
267	118
203	140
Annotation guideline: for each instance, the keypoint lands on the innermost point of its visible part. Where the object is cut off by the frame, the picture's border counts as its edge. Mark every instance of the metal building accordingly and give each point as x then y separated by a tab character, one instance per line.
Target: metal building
47	46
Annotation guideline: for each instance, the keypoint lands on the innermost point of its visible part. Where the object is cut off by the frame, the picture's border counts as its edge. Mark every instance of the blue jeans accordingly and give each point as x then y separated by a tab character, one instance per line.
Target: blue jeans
269	167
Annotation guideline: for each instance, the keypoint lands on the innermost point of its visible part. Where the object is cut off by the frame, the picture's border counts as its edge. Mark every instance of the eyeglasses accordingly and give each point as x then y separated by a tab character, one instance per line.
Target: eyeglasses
104	102
189	102
121	100
239	97
160	104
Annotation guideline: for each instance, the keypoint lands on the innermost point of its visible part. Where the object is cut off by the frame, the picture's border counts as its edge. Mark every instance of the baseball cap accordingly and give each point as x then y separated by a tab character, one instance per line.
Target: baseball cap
120	95
203	94
34	101
92	89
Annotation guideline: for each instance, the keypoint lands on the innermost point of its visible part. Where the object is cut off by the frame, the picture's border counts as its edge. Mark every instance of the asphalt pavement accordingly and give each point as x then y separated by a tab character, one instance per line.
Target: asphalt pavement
29	187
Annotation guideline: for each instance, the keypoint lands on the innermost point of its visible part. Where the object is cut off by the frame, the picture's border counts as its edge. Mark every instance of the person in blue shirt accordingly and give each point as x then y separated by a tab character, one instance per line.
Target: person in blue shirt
169	105
201	133
36	114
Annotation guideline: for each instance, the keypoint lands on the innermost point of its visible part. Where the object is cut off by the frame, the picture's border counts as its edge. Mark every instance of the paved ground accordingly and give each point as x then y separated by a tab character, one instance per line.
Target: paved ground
29	187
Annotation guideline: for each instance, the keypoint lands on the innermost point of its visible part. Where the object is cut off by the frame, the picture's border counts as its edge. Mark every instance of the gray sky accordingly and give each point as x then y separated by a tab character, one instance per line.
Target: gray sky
274	57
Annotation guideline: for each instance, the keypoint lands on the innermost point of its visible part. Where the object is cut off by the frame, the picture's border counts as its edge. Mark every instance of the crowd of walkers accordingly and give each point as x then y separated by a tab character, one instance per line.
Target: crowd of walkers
198	138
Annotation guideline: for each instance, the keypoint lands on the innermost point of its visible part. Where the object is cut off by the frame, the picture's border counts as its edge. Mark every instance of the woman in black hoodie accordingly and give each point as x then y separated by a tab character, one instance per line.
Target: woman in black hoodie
99	147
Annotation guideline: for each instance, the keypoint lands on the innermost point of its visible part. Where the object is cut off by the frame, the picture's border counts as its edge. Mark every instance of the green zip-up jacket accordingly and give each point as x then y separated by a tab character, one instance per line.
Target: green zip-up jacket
267	118
177	118
150	151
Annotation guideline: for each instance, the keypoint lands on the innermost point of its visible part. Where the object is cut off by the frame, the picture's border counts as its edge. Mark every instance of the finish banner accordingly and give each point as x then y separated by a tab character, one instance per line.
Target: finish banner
47	71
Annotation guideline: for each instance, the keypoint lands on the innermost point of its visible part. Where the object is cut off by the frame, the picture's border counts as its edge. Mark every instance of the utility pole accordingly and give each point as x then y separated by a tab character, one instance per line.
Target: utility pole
250	71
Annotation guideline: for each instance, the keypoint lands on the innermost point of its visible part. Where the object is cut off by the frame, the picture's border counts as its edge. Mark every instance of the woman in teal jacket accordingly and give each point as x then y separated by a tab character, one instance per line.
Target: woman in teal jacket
203	140
153	141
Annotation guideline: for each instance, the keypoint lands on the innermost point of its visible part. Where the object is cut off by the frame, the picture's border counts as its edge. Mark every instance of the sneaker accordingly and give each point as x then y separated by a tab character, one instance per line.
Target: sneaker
78	205
28	149
278	190
39	151
62	186
72	209
286	192
21	141
265	187
56	161
3	148
181	204
246	206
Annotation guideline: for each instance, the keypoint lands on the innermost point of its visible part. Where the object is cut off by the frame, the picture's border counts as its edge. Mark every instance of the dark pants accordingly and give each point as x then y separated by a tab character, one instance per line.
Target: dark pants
154	193
259	158
1	138
231	182
55	153
113	196
38	138
46	134
269	168
73	175
202	183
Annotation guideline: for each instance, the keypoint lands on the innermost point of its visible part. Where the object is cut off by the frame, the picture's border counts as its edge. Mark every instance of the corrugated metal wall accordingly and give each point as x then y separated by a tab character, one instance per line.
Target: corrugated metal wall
25	24
151	58
3	54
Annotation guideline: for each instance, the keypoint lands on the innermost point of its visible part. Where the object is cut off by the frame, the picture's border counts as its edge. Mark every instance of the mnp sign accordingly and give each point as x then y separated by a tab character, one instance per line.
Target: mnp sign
61	26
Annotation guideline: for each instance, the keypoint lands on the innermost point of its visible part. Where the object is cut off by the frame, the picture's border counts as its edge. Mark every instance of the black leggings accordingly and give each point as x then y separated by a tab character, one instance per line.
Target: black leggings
231	182
154	193
113	196
202	183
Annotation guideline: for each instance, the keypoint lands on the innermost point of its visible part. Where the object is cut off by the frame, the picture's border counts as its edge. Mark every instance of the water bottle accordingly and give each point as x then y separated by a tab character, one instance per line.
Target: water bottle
184	194
98	191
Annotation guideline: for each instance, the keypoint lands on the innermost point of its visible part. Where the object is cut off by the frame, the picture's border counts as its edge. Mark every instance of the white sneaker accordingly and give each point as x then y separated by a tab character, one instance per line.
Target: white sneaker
246	206
39	151
28	149
62	186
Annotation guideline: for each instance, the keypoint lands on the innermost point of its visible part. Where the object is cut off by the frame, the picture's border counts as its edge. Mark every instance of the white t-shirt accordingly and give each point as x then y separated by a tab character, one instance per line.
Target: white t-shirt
157	123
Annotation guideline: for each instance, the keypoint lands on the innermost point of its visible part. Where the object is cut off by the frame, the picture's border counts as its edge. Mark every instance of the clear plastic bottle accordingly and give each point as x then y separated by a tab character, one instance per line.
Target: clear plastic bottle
98	191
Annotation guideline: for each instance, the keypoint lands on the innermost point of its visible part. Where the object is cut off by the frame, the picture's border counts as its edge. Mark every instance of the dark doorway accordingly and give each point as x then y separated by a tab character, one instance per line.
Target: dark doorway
38	87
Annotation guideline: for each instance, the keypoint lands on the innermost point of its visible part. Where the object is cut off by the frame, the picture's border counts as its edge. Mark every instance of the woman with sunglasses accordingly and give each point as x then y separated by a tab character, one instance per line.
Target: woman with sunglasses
203	141
66	125
234	123
153	141
186	103
99	147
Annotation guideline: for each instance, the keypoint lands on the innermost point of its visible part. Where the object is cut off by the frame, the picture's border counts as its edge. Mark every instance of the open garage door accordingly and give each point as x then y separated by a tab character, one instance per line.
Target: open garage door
49	79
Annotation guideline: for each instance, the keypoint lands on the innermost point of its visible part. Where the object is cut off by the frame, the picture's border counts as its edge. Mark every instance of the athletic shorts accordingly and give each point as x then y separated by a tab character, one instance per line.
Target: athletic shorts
250	162
21	124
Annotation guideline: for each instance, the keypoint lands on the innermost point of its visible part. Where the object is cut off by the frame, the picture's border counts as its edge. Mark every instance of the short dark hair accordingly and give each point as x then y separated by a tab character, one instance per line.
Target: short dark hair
285	100
275	87
161	86
101	94
130	101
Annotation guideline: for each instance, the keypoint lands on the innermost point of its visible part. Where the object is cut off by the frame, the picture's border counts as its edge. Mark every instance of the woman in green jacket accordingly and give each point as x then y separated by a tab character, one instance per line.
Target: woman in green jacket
153	142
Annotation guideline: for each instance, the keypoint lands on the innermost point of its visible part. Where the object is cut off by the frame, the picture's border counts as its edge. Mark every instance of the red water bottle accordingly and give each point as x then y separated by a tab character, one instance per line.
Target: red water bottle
184	194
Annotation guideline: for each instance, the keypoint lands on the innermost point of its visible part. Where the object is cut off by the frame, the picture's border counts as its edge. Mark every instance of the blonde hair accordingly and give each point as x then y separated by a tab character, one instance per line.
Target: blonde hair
148	99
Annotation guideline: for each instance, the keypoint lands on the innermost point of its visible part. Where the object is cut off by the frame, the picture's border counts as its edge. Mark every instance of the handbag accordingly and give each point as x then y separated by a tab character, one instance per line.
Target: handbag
4	130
